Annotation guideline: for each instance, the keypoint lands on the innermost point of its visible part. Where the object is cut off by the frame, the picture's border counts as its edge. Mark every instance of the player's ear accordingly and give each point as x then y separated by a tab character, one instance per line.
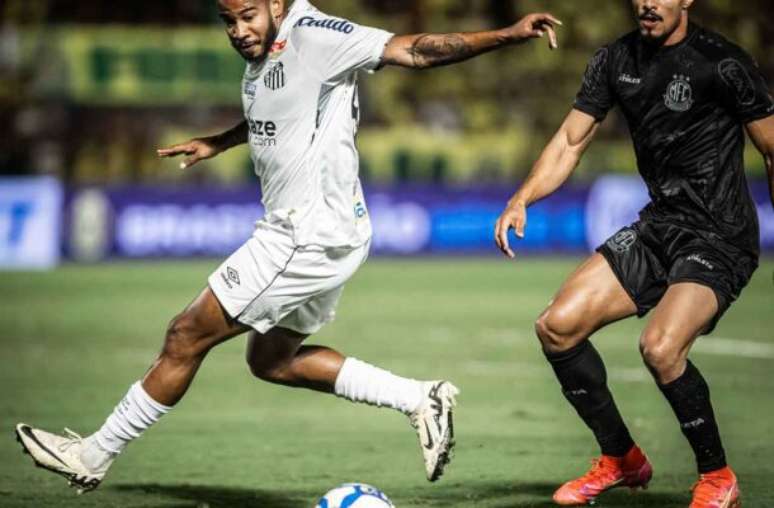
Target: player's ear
276	8
686	4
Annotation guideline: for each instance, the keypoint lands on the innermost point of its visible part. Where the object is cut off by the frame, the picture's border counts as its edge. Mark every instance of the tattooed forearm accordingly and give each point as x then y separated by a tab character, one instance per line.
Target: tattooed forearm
432	50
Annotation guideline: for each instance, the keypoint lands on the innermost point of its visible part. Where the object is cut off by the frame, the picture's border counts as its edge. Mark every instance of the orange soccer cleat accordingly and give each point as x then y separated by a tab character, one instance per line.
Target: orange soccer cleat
718	489
633	470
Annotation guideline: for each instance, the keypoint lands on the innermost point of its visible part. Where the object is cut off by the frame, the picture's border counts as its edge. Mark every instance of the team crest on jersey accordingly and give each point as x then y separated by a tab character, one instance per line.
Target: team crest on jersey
679	94
622	241
250	89
275	76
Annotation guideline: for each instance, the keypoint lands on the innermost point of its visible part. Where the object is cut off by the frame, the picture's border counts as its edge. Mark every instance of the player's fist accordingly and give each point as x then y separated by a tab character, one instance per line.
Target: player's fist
533	26
196	150
513	217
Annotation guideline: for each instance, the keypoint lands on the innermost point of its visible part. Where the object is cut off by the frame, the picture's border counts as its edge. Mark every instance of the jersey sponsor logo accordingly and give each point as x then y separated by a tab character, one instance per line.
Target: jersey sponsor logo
679	94
337	25
274	78
278	47
736	77
622	241
265	132
250	89
626	78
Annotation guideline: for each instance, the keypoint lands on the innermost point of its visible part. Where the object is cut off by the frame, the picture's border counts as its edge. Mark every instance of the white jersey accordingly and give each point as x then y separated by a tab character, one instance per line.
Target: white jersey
301	106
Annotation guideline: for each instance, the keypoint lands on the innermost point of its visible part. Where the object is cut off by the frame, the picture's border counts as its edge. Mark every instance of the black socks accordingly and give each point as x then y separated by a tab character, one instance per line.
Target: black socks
584	382
689	397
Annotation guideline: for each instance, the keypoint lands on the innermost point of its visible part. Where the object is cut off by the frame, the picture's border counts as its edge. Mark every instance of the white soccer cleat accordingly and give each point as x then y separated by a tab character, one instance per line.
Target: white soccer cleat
433	422
61	455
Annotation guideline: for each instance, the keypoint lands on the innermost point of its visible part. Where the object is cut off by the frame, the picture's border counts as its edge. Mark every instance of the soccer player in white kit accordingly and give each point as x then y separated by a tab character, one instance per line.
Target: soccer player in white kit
301	114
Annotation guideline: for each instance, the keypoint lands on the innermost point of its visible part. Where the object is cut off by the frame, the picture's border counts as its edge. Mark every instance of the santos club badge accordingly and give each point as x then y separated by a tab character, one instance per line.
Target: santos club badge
679	95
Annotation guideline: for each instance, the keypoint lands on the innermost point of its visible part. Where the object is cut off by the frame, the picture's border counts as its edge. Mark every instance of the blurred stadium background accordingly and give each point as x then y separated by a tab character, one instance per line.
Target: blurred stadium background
89	90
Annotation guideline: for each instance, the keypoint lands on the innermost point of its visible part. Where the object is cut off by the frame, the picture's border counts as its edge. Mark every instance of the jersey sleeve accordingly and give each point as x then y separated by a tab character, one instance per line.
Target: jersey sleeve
333	47
596	96
743	89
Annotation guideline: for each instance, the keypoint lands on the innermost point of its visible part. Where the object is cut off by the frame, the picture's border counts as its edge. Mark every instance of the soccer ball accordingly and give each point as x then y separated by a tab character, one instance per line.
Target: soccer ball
355	495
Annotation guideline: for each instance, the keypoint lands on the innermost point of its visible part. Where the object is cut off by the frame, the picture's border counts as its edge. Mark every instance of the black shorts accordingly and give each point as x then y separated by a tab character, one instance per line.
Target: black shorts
648	257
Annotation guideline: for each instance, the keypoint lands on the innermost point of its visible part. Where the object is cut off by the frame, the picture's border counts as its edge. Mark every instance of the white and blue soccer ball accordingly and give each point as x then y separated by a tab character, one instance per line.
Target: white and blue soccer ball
355	495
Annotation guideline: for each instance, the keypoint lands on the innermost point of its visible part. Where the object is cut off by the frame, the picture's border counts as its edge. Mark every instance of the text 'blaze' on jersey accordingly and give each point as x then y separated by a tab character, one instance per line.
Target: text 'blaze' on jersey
686	106
301	106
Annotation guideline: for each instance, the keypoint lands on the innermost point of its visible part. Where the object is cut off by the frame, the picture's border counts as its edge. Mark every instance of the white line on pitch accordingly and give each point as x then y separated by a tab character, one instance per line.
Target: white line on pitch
734	347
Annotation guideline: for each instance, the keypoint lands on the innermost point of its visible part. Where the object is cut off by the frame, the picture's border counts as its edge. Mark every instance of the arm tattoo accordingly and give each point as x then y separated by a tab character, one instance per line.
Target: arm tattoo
432	50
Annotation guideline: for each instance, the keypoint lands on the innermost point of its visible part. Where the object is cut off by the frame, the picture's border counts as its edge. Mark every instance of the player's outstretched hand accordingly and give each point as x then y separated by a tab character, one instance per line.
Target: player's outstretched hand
534	26
196	150
514	216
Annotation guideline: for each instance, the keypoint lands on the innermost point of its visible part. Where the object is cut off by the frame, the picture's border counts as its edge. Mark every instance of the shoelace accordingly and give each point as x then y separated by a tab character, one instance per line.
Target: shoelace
73	438
598	471
713	489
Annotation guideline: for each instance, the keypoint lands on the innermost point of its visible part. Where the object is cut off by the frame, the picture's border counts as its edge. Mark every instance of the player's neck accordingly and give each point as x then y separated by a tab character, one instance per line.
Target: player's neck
679	34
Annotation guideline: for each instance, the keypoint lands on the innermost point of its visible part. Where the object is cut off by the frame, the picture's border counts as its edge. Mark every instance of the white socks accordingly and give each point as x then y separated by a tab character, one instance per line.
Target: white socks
130	418
361	382
357	381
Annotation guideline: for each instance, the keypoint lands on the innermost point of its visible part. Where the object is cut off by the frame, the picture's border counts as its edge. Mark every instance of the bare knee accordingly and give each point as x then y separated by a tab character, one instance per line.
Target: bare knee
271	372
559	329
270	356
185	340
663	358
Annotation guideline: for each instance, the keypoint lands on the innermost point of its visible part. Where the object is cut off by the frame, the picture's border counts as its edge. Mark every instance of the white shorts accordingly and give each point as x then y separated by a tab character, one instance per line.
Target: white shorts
270	281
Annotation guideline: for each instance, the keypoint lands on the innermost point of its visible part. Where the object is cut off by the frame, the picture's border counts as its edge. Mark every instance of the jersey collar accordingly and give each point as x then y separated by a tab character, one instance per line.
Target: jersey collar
691	32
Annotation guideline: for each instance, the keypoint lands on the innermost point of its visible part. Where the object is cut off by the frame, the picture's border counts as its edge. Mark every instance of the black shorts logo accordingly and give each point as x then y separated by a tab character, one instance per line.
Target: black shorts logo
622	241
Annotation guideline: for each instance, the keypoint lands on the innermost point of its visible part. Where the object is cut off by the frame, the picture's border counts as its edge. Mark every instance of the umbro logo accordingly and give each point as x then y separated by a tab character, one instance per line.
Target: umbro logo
233	275
230	278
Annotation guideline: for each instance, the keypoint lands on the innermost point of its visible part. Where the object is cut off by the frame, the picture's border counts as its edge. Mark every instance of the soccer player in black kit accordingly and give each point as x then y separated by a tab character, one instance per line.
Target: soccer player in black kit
688	95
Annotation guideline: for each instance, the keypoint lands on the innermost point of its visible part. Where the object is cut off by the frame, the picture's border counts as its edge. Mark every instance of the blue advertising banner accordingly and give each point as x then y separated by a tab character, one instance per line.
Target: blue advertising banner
30	223
139	222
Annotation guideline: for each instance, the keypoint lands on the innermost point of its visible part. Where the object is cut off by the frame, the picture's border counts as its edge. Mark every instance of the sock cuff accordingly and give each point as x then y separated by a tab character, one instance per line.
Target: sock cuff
345	373
691	376
141	396
570	354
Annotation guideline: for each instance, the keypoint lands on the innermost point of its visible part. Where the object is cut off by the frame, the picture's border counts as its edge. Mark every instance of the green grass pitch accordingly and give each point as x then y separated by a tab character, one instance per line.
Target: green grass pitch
72	341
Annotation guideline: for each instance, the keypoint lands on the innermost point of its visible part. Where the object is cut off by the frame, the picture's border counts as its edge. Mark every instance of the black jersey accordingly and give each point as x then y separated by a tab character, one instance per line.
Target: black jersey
686	106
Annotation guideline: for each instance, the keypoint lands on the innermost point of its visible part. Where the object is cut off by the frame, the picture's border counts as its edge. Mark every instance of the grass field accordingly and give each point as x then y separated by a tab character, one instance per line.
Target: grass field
72	341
